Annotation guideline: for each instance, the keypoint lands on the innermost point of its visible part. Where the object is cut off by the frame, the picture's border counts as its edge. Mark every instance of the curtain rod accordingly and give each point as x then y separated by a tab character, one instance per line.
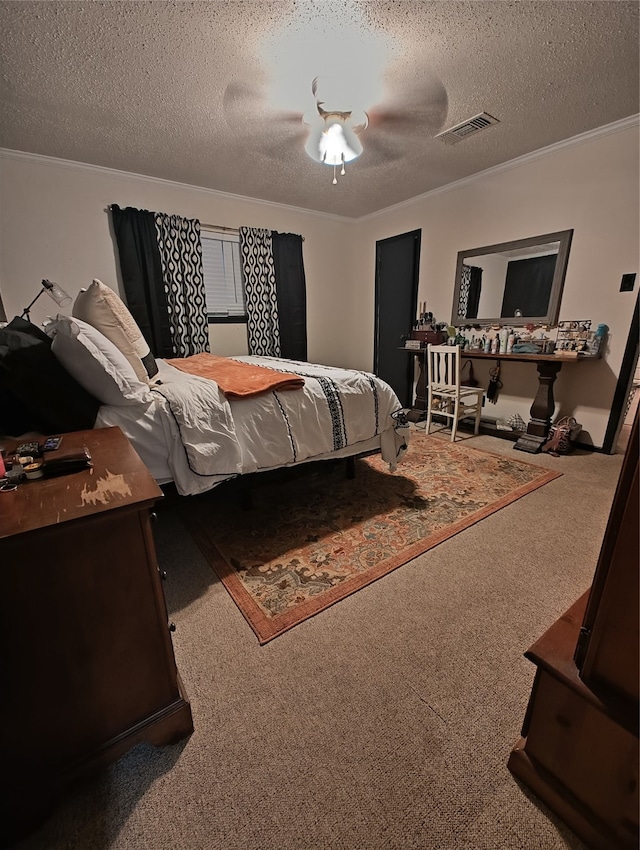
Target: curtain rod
226	229
219	227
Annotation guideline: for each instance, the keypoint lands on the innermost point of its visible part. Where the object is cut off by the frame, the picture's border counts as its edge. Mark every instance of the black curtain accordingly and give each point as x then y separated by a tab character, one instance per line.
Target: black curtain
528	286
291	295
141	268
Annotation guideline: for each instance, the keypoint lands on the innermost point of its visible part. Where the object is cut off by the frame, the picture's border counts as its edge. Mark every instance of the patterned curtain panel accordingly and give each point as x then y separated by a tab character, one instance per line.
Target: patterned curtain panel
258	270
465	285
470	287
181	256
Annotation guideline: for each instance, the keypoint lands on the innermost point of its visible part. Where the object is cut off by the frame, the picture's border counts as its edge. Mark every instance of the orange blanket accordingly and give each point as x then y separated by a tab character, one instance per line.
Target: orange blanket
237	379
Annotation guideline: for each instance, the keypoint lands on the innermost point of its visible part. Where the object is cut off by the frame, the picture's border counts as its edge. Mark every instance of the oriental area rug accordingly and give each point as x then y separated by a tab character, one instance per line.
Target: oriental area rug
310	541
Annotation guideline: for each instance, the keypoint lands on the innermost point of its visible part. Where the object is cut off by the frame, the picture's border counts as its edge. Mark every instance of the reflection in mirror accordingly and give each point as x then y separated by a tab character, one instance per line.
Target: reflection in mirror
514	283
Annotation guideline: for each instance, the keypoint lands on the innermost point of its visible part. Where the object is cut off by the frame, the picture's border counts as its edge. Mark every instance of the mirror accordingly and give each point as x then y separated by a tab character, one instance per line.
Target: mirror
514	283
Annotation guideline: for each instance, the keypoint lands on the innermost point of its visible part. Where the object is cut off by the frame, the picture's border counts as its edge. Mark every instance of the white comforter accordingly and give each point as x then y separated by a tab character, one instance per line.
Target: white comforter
204	438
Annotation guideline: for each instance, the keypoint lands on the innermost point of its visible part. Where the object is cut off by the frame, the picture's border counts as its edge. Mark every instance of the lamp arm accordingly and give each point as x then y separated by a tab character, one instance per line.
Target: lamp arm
25	312
55	292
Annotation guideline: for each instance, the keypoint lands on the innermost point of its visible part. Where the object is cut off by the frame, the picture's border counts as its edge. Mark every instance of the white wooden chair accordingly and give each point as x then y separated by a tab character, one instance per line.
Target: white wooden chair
445	396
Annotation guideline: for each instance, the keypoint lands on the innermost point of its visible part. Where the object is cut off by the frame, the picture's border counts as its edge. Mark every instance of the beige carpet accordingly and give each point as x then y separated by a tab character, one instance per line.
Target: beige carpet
383	724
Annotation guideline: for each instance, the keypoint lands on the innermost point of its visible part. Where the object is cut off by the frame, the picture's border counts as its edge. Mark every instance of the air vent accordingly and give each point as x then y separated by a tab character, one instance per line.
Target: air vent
467	128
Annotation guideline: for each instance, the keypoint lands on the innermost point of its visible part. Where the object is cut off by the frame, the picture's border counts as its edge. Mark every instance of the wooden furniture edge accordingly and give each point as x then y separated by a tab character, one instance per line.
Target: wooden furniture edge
593	831
553	652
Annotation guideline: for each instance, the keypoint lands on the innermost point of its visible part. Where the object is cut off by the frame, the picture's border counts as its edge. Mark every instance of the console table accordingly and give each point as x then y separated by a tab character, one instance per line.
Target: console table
548	366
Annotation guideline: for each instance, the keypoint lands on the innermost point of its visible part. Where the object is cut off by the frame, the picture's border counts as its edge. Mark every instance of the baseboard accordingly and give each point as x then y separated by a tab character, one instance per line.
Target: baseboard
588	447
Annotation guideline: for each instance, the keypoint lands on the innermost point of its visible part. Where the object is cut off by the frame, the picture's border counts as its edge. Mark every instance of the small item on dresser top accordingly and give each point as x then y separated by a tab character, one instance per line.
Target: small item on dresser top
51	444
64	461
34	470
15	475
31	449
24	460
7	486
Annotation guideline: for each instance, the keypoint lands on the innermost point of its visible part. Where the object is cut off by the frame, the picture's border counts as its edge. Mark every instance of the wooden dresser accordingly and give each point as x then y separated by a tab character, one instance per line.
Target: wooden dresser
87	664
579	744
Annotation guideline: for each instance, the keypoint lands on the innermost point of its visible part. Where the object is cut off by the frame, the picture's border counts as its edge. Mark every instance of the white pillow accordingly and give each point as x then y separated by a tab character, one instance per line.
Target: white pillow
95	362
103	308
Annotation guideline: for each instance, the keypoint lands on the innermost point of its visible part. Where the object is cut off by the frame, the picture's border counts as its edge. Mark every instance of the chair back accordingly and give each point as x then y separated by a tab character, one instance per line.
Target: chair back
443	366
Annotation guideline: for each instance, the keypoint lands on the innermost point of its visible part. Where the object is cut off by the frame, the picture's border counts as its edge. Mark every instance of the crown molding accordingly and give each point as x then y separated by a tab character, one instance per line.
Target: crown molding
573	141
590	135
72	165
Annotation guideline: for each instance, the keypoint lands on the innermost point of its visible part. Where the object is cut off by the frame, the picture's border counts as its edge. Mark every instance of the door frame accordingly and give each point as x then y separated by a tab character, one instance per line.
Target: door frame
417	234
621	394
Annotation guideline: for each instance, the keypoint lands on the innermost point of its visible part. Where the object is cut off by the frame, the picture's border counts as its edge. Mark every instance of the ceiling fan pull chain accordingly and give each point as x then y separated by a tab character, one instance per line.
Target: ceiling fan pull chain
335	179
343	172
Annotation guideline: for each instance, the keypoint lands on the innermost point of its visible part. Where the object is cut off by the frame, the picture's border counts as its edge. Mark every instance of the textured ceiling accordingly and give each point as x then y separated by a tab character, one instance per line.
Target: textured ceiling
212	93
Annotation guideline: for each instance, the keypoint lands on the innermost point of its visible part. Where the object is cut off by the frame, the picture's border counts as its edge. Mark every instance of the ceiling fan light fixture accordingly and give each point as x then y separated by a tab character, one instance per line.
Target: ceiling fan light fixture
333	142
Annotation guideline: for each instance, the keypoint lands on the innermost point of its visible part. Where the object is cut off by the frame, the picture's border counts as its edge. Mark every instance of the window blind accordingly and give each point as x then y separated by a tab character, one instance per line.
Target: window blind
222	273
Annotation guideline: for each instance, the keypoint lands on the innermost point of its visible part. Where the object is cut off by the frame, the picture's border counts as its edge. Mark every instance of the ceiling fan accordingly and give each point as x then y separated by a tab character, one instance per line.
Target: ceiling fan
334	131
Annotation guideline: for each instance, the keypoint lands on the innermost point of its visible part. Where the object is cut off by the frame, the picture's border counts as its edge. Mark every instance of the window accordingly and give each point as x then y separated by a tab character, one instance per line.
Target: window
223	276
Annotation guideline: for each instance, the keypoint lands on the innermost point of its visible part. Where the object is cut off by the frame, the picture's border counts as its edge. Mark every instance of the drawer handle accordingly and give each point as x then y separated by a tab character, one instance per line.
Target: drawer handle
172	627
153	516
163	574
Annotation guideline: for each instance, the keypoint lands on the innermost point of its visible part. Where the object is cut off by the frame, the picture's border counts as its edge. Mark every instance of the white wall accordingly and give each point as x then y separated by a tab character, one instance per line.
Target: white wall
54	224
592	187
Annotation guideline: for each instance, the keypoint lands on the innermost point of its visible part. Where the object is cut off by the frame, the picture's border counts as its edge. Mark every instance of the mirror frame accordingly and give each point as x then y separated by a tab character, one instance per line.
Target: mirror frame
557	285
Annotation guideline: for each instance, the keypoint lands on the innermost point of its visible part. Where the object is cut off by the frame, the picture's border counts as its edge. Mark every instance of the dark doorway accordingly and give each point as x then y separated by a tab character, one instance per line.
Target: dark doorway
397	270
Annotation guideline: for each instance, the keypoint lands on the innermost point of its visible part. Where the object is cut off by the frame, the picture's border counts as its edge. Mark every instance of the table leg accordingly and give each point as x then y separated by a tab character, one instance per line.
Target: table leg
541	409
419	411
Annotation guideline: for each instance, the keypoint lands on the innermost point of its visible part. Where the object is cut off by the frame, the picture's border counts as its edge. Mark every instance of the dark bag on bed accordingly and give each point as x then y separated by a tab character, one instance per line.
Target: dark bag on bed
38	394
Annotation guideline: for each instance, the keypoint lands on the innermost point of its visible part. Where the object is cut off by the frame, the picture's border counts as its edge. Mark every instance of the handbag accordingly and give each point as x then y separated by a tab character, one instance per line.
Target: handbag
561	436
470	380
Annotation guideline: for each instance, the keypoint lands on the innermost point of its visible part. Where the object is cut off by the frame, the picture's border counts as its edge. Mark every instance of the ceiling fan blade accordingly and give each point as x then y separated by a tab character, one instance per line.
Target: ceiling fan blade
378	150
280	144
246	108
419	109
256	126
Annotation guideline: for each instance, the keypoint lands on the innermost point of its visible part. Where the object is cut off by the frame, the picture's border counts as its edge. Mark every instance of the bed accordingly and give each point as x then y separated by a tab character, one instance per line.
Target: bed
192	434
187	428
